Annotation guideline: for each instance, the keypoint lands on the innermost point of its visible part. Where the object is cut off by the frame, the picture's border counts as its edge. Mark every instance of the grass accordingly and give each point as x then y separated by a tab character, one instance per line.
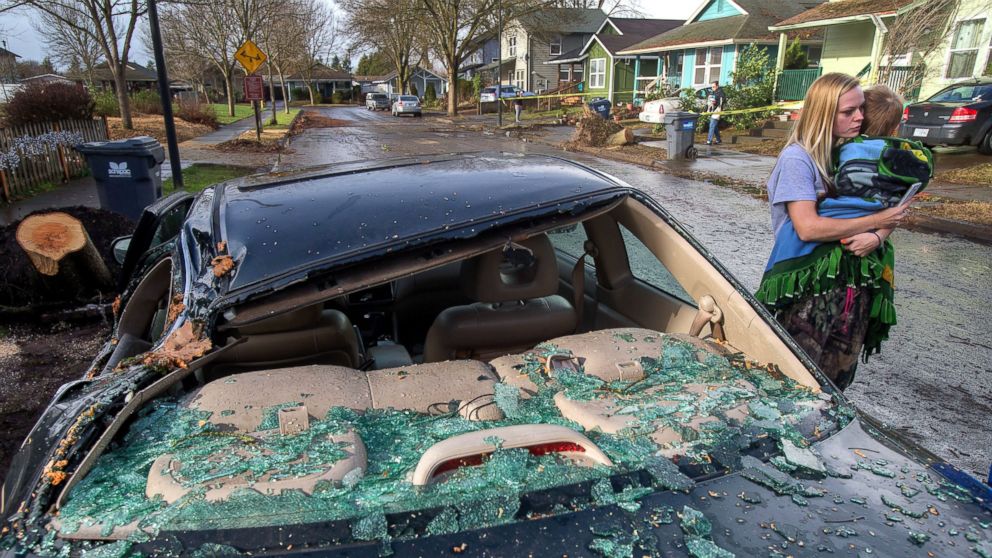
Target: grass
284	119
538	115
977	175
240	111
199	175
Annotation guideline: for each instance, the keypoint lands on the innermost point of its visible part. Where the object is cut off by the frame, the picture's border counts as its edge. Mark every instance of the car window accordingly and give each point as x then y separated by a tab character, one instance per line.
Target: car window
571	241
169	225
646	267
973	92
408	98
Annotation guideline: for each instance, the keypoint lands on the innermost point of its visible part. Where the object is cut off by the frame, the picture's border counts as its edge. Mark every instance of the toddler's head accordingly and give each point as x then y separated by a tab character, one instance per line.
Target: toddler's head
883	111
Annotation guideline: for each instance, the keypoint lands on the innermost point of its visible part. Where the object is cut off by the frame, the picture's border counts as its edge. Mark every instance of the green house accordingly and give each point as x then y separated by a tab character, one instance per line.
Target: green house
614	76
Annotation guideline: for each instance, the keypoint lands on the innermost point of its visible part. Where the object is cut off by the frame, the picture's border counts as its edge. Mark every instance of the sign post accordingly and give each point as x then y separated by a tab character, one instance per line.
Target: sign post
251	57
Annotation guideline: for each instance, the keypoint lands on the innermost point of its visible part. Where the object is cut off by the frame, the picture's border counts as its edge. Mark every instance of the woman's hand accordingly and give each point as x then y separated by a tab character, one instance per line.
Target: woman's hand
892	217
861	244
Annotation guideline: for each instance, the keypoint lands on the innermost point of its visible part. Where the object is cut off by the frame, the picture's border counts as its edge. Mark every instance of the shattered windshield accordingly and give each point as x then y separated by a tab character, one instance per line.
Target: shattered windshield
668	405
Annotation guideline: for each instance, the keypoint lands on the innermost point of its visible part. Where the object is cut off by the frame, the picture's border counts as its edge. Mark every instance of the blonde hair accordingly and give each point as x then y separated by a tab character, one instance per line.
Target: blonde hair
883	111
814	131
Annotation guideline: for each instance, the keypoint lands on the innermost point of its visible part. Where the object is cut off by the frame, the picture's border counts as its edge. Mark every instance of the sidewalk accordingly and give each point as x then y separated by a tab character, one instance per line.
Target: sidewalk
226	132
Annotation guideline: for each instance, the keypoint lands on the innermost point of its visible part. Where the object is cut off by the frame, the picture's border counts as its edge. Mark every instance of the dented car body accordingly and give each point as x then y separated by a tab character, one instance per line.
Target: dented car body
472	354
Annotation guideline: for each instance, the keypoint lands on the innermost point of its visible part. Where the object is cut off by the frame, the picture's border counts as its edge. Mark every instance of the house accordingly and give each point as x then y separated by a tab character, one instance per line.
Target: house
137	77
483	56
555	33
615	74
855	34
325	80
46	79
8	65
705	48
420	78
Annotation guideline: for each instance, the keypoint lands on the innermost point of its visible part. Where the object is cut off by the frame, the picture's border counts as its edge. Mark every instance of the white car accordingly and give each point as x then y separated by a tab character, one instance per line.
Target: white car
406	104
654	111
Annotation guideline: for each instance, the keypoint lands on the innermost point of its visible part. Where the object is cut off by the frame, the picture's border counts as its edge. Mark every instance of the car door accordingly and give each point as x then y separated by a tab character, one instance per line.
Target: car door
160	222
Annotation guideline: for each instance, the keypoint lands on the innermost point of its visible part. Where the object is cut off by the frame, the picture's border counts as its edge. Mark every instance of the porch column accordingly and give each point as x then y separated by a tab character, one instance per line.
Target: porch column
637	74
876	48
783	43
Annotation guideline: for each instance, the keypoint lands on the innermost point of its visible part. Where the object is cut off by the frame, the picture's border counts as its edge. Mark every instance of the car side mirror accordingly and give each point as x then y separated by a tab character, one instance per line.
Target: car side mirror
119	248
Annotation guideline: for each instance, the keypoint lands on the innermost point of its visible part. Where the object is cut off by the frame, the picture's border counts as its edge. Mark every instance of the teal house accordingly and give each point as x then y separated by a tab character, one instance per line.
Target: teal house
705	48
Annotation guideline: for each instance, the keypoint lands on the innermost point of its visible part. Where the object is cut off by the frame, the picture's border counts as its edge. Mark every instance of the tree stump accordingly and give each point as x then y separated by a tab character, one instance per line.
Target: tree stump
59	246
623	137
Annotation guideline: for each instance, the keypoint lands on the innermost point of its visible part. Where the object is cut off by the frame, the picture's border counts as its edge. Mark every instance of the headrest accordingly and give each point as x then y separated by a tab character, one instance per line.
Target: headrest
517	271
301	318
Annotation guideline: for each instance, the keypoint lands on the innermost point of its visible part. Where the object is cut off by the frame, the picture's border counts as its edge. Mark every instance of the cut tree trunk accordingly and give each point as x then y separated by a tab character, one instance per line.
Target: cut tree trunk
623	137
59	246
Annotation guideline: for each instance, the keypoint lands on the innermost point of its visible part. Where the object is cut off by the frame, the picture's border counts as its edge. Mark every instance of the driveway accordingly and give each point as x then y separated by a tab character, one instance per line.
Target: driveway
931	380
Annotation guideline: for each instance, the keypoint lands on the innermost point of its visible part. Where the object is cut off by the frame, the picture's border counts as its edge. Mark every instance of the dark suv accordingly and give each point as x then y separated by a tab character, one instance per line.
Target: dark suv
377	101
960	114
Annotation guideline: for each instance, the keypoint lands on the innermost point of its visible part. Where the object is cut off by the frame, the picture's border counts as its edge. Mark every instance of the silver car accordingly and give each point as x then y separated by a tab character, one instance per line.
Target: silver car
406	104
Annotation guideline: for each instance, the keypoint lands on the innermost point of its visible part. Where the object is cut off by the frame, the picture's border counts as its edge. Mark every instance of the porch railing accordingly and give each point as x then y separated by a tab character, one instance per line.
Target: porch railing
793	84
903	80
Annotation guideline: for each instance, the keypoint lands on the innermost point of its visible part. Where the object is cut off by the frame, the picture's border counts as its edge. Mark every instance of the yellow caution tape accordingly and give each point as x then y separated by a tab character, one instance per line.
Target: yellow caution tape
782	106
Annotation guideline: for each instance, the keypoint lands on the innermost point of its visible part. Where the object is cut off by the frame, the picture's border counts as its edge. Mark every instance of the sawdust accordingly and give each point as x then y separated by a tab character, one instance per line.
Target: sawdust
184	345
222	265
176	307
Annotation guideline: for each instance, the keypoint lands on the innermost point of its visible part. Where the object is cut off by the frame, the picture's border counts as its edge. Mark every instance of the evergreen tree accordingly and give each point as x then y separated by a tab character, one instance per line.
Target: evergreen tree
335	62
795	57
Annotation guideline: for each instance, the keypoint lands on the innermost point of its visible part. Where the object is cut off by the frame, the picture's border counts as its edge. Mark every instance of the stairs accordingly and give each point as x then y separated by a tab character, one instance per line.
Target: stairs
772	129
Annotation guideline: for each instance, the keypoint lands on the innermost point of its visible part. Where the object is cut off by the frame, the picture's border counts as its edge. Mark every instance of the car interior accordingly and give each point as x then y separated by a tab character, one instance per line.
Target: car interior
614	300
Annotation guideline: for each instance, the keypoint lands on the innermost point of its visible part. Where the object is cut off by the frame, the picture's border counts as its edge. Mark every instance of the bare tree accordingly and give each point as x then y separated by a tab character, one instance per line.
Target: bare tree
214	31
108	23
914	36
318	38
69	44
280	41
395	28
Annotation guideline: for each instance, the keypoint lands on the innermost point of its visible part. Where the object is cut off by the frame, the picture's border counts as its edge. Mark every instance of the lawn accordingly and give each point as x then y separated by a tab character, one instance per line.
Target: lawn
240	111
200	175
284	119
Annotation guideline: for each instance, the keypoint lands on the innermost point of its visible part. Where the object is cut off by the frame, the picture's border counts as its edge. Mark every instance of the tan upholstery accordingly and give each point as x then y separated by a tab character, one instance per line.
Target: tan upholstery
513	313
306	335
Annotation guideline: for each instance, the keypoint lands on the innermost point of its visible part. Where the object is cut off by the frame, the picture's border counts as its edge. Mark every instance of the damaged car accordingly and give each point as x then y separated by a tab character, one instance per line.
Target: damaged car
472	354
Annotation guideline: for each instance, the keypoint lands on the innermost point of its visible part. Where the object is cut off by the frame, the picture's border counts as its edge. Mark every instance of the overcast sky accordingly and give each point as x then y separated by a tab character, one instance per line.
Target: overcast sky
21	38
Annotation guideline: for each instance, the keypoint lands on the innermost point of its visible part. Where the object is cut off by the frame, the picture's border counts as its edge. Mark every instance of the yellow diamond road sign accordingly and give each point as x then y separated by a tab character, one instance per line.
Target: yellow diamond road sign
250	56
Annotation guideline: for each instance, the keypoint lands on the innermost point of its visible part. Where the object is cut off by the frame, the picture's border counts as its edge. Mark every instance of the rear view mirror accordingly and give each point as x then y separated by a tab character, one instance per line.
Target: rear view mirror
119	248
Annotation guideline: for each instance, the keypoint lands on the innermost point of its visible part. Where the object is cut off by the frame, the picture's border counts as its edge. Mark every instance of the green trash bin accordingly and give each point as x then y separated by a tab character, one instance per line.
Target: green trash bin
128	173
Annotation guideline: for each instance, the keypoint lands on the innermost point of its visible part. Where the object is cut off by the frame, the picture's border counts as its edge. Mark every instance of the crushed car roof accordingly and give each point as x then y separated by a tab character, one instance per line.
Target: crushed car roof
278	222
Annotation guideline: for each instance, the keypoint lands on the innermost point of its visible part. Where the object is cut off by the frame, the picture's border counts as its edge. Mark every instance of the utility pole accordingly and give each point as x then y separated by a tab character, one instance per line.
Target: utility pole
166	96
499	65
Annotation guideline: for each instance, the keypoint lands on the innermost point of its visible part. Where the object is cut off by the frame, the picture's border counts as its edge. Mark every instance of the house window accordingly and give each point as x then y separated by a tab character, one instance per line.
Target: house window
964	49
564	73
597	73
556	46
518	79
512	41
707	65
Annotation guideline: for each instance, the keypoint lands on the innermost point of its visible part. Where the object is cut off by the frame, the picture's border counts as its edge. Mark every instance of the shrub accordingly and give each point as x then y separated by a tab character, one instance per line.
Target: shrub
39	102
337	98
299	94
795	58
192	110
476	85
753	86
146	102
430	95
106	103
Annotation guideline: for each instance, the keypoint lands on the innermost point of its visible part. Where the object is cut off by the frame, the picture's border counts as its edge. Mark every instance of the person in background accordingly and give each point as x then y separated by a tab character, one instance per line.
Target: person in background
518	106
716	100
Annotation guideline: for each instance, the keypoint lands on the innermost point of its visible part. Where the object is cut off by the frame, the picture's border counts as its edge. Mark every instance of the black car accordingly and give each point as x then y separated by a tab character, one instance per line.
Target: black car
482	355
960	114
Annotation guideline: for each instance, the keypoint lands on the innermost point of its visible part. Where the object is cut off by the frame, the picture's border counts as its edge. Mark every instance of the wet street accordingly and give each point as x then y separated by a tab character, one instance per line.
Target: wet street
933	380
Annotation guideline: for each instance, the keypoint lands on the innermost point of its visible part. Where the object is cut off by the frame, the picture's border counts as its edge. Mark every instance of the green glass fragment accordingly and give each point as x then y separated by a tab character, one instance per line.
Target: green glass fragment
118	549
694	523
703	548
918	538
214	550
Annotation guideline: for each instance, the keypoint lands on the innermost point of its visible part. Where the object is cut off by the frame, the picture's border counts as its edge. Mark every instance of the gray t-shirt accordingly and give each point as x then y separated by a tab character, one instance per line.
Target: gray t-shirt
794	178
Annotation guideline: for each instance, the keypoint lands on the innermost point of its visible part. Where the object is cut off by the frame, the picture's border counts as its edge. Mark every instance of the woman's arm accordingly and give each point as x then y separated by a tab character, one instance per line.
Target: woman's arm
811	227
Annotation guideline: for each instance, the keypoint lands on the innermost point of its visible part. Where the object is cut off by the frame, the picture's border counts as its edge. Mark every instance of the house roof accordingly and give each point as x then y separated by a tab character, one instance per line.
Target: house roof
743	28
46	77
134	72
506	63
574	55
564	20
413	71
5	52
633	31
842	9
325	73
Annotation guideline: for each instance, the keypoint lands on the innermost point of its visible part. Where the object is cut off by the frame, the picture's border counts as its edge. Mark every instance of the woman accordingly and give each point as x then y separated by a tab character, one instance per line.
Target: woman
830	268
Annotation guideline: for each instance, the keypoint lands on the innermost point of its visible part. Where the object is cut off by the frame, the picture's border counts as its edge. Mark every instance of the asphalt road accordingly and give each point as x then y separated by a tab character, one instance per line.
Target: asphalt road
933	380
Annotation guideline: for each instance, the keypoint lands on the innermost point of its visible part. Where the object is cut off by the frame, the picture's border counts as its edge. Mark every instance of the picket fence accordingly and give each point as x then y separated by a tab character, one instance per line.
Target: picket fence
55	164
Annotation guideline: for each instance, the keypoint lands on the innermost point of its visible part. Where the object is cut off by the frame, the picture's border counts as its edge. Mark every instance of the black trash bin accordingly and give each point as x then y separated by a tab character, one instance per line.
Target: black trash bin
127	172
601	107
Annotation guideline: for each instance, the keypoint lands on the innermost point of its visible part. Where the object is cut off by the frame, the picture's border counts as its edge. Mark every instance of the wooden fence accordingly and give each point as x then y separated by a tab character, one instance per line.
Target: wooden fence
54	164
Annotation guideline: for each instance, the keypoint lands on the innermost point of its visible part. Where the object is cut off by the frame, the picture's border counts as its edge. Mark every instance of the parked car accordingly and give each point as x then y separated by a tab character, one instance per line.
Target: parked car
489	355
960	114
488	94
654	111
377	101
406	104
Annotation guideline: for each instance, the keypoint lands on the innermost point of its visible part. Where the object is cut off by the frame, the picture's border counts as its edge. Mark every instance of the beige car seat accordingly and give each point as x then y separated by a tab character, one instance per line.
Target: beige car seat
517	305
